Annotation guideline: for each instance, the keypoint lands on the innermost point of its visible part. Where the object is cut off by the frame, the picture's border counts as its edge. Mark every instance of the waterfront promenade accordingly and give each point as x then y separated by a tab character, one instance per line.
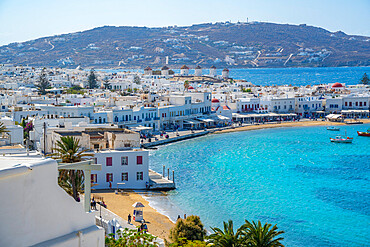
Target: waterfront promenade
188	134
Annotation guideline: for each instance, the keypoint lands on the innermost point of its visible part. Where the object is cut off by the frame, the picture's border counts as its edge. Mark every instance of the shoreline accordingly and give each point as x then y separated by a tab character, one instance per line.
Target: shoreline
287	124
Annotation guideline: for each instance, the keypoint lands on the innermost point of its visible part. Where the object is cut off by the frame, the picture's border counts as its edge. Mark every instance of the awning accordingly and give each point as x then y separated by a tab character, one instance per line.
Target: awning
139	128
193	121
334	116
206	120
223	117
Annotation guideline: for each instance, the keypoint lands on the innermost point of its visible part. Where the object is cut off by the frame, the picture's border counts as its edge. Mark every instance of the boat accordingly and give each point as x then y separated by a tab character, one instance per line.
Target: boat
340	139
364	133
353	122
333	128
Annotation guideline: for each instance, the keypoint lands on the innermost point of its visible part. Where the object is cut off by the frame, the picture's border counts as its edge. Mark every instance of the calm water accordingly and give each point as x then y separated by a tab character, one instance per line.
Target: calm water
316	191
294	76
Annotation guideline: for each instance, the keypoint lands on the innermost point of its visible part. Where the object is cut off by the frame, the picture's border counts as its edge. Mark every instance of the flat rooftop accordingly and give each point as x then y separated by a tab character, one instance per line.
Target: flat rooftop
17	160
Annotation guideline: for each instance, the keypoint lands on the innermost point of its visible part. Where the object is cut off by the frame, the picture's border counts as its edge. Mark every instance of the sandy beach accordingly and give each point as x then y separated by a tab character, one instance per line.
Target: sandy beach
287	124
121	204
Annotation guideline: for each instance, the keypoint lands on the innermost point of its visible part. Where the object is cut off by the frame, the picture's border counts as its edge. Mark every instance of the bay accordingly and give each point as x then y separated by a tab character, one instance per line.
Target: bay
318	192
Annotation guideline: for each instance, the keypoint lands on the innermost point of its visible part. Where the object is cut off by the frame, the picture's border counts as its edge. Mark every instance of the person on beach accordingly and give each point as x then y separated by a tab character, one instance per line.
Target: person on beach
178	217
184	216
110	185
93	204
129	219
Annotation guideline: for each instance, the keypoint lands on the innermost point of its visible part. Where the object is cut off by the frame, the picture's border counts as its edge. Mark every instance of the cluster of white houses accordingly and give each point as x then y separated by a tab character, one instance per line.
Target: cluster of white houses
104	119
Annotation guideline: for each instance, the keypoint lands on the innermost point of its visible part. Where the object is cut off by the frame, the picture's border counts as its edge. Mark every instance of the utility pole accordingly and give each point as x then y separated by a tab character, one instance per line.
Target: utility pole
44	139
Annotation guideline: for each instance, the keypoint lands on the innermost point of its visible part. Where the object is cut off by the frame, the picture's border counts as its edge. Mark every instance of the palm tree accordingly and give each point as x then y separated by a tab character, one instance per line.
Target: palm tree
68	151
3	129
256	235
227	237
186	85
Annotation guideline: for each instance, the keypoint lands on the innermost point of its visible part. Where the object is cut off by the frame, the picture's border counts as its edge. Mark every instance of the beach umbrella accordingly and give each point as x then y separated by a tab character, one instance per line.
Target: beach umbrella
138	205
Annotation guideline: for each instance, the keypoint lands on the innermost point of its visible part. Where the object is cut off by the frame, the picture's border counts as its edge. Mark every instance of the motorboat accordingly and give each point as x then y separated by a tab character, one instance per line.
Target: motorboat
333	128
340	139
364	133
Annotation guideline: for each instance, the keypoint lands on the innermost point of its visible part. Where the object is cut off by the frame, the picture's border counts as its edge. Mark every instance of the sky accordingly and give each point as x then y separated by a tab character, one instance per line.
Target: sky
22	20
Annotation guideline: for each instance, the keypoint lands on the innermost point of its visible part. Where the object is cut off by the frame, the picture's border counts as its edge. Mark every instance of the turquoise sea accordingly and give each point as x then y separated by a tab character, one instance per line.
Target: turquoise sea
318	192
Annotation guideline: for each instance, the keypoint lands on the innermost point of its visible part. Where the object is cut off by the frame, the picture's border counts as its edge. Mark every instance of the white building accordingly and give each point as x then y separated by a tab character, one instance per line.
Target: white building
184	71
198	71
225	74
126	169
306	106
247	104
148	71
278	105
213	71
36	211
165	71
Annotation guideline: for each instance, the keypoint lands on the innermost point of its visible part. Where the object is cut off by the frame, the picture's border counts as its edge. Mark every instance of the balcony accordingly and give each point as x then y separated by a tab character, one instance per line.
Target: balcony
157	118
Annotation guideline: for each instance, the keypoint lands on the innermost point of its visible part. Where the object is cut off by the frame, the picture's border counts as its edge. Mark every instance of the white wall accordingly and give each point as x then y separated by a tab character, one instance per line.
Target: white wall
35	209
117	169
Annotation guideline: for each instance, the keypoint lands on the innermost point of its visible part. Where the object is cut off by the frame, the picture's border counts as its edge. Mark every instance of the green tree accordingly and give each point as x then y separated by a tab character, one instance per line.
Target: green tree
365	79
43	82
68	150
226	237
190	229
92	80
106	83
256	235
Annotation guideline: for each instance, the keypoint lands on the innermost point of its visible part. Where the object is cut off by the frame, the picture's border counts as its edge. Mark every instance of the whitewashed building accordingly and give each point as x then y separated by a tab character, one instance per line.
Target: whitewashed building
37	212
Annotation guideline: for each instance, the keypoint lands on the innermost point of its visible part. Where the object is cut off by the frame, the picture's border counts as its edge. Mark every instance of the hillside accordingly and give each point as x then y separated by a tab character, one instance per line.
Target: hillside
221	44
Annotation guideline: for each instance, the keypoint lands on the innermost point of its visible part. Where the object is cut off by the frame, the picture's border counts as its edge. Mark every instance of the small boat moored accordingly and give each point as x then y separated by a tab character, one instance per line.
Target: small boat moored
340	139
333	128
364	133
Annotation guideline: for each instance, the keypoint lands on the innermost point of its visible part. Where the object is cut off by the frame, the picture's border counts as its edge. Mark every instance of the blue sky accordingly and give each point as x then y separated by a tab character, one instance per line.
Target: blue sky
22	20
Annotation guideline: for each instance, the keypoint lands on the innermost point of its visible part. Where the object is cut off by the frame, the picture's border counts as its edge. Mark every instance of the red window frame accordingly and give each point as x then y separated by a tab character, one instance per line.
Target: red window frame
108	161
139	160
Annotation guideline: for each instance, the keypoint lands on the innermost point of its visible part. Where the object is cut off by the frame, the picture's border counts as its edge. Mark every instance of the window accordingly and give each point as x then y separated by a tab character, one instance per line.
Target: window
109	177
124	160
139	176
94	178
109	161
96	146
139	160
125	176
345	103
96	161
